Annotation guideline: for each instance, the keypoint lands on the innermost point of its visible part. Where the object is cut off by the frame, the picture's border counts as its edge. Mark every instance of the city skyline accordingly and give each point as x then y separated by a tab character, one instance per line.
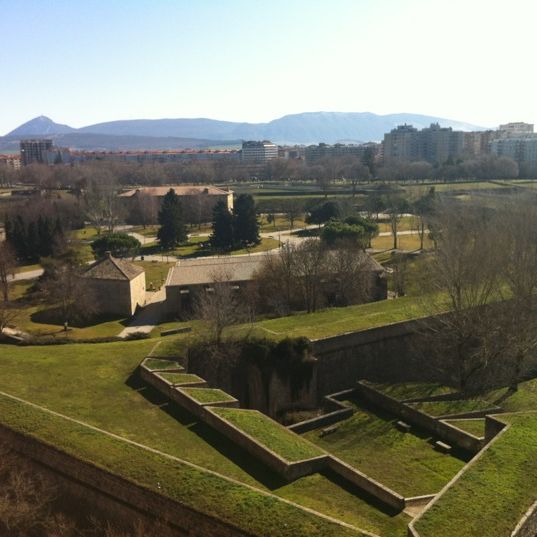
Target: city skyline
84	63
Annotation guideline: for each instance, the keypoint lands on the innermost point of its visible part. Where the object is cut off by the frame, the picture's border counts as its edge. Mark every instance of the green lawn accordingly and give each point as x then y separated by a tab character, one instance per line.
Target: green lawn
26	268
493	494
86	381
411	390
405	462
248	509
156	364
180	378
207	395
155	273
335	321
457	406
198	247
281	223
38	318
474	426
266	431
525	398
404	242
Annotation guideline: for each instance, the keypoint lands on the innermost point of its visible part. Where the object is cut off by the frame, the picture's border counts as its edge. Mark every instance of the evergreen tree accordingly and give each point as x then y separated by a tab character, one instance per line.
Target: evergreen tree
170	217
245	222
222	237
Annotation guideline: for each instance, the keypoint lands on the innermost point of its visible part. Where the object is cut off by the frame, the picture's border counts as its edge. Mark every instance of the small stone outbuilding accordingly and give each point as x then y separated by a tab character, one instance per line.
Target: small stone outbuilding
118	286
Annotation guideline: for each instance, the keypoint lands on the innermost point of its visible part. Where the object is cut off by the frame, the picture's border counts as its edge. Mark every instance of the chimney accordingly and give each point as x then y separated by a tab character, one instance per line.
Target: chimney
108	254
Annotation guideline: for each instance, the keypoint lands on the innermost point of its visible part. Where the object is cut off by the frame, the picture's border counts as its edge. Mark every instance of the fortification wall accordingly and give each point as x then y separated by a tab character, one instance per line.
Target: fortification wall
85	486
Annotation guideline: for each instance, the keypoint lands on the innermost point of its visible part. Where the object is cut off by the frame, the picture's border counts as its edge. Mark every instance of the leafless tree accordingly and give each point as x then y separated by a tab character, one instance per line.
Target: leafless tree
310	266
7	267
517	242
62	285
396	206
102	204
348	276
293	209
219	304
464	279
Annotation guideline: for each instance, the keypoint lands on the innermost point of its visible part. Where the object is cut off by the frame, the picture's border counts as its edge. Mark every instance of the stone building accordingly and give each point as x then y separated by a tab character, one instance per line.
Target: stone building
118	286
191	277
197	201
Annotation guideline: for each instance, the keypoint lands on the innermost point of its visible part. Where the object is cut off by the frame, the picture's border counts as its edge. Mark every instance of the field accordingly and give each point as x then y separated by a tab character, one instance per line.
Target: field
404	242
405	462
86	381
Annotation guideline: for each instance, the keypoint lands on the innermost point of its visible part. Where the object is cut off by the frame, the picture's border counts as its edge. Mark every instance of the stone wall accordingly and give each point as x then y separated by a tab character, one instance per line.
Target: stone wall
113	297
286	469
112	496
441	429
527	527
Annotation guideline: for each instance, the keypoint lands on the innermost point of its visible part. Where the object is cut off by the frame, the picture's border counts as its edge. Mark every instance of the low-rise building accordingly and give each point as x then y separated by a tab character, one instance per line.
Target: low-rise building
190	278
197	201
117	286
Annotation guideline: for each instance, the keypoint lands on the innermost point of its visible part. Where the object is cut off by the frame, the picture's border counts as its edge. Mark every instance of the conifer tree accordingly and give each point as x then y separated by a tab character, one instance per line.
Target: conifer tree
170	217
245	222
222	237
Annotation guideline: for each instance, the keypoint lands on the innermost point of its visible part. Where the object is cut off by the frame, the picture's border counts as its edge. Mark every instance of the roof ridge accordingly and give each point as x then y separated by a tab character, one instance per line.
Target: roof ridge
118	266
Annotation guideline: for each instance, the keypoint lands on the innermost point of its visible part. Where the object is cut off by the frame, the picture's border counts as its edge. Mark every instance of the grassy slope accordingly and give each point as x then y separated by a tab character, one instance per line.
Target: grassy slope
457	406
286	444
475	426
492	495
335	321
154	364
180	378
207	395
86	381
411	390
228	501
405	462
525	398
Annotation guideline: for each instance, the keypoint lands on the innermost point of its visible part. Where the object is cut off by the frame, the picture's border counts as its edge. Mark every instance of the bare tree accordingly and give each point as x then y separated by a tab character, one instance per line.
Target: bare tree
348	279
517	241
293	209
62	284
396	206
102	204
7	267
464	278
310	266
219	304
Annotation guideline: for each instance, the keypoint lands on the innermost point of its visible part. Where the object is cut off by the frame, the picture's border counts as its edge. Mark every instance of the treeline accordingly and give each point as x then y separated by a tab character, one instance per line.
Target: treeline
39	229
324	172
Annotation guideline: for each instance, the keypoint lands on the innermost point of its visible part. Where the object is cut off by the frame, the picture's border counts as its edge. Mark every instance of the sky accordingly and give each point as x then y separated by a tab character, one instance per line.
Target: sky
81	62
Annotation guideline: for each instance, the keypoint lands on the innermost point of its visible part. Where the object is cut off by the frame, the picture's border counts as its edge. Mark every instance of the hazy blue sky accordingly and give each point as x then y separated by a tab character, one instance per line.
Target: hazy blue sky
86	61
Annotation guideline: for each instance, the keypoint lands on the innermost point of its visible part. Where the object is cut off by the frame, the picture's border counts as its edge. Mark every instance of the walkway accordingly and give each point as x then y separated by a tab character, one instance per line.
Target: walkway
148	317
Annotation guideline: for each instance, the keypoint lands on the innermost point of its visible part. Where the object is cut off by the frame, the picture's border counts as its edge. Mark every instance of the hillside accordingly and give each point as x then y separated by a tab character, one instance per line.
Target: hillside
305	128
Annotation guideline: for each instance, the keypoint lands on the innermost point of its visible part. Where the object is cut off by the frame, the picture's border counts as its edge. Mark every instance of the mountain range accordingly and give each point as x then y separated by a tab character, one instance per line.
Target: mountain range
304	128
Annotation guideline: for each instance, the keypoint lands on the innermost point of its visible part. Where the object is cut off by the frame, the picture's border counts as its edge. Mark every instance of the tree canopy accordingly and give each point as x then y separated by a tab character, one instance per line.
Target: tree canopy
172	230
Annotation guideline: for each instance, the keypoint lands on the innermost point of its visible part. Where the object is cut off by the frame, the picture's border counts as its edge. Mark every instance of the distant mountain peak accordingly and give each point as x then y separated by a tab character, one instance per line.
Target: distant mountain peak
40	126
302	128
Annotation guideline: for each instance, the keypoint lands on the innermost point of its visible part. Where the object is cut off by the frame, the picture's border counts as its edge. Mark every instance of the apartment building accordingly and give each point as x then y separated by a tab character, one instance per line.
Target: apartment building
35	151
256	153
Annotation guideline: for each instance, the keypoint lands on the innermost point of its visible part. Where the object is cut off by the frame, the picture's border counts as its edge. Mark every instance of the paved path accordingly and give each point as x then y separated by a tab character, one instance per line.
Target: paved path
149	316
27	275
142	238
